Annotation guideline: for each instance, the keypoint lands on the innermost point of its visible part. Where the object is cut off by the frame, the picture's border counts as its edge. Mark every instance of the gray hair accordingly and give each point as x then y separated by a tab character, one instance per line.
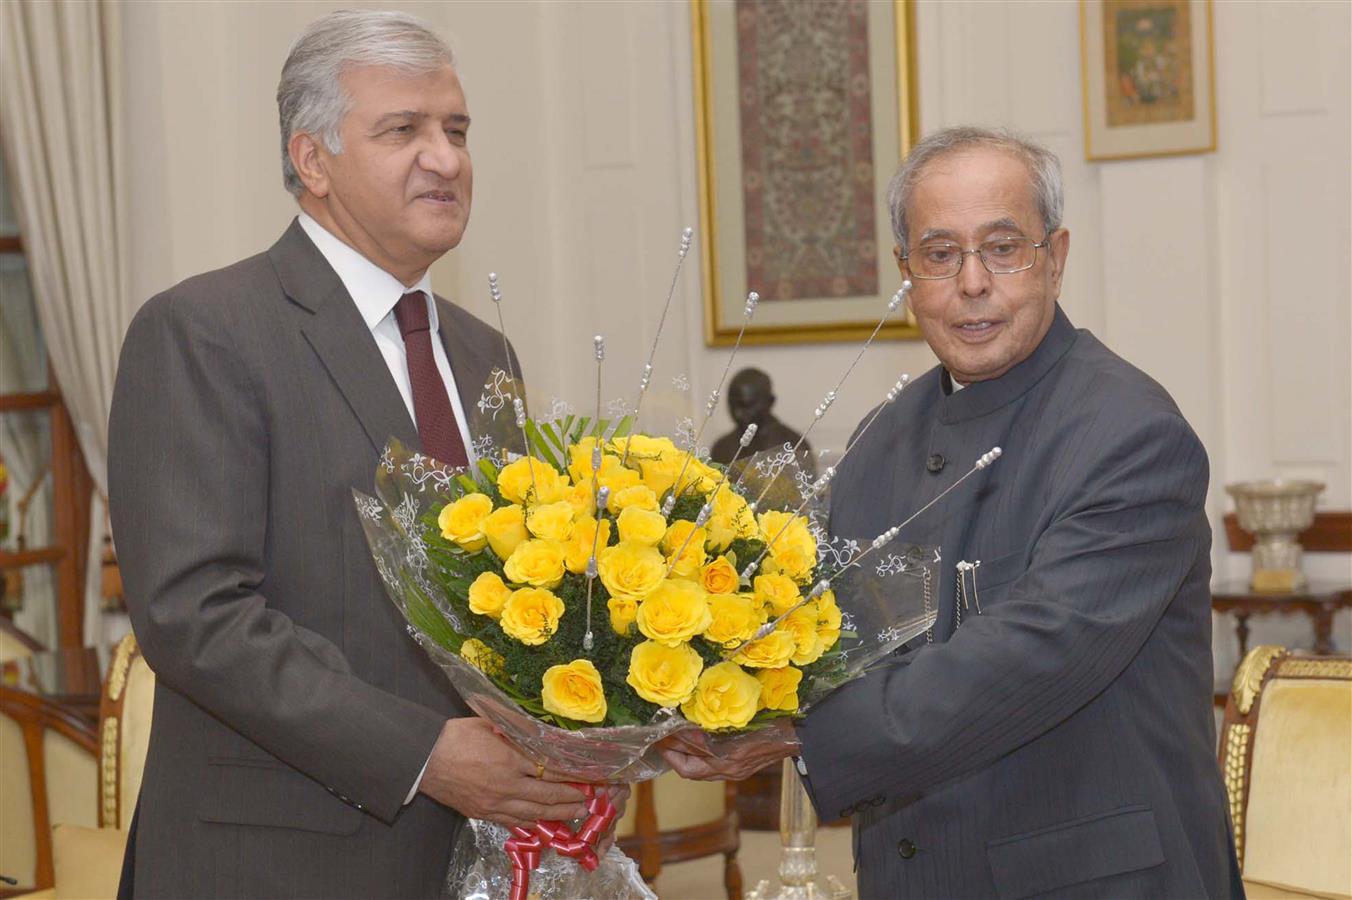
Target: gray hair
310	95
1044	171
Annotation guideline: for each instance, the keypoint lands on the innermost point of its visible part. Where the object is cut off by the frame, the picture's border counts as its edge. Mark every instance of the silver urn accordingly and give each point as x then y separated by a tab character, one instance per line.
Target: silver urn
1274	512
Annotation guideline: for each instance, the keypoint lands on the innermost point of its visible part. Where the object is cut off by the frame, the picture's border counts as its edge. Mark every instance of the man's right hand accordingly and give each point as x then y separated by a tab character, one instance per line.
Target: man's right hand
474	771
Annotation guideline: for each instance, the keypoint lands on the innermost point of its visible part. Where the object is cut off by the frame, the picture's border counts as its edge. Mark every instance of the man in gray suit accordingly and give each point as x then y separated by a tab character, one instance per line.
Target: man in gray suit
1053	735
303	744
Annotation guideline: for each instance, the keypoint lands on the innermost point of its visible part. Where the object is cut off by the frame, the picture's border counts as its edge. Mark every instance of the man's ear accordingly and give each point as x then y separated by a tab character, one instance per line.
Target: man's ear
308	160
1058	251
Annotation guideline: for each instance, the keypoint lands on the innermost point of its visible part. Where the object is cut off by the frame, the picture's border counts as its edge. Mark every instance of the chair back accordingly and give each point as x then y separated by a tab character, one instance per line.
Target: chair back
124	733
1286	754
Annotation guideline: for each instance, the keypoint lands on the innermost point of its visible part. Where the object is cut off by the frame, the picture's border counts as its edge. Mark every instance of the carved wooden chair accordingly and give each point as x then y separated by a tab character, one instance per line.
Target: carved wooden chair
671	820
1285	751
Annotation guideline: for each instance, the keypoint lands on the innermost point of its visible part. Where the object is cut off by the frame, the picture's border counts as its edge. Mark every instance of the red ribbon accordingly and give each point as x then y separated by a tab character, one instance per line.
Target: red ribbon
525	845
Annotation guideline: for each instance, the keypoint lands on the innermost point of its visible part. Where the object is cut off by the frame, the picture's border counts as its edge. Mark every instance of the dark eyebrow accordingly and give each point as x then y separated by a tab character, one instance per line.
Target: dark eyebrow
414	115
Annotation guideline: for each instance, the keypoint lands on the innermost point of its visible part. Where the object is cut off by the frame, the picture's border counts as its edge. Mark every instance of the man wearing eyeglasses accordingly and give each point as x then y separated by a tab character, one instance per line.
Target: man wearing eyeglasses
1052	734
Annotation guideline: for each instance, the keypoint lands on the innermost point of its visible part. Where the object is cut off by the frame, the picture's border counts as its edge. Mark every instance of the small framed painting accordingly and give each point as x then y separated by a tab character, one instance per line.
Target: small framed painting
1148	77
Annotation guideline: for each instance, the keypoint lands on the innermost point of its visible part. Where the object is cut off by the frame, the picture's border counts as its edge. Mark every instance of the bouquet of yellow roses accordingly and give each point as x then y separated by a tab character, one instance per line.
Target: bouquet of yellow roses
596	591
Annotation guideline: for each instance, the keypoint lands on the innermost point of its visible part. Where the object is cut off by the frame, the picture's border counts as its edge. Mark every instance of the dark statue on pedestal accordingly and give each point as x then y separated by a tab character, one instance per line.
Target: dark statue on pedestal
750	399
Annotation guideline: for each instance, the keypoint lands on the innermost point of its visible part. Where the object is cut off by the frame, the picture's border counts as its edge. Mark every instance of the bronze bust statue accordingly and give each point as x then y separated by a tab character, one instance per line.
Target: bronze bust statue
750	399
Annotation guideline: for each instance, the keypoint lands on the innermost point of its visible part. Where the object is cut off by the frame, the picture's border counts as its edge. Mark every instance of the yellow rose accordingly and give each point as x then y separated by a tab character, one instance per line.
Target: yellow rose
731	519
611	474
505	527
674	613
582	499
683	533
735	619
574	691
536	563
664	675
623	612
631	570
481	656
578	550
794	551
639	495
802	624
617	477
462	522
642	447
530	480
778	592
660	474
488	595
551	521
795	562
641	526
828	621
770	652
726	697
531	615
719	577
779	688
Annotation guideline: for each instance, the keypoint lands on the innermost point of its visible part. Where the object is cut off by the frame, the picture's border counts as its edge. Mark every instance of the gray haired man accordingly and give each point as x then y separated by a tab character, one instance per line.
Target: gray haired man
302	744
1053	735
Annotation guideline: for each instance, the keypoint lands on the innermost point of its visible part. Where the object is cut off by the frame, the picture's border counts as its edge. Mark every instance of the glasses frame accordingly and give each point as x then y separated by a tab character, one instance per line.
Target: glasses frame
962	260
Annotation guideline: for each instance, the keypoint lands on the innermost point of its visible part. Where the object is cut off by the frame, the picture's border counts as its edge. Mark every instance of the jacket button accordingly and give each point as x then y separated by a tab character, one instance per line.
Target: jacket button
935	463
906	848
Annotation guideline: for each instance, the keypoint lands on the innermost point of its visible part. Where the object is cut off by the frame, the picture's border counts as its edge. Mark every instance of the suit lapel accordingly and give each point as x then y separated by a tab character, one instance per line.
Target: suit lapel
341	340
470	363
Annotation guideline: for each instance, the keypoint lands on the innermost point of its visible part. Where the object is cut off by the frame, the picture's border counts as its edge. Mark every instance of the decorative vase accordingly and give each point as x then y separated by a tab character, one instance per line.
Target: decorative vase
1274	512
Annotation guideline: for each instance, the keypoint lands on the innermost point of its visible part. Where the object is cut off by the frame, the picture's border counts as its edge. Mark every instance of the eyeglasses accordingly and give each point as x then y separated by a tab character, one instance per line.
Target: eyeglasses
1000	256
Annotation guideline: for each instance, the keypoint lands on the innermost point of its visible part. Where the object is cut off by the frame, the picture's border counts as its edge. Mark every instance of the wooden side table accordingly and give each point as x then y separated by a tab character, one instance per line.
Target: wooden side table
1319	601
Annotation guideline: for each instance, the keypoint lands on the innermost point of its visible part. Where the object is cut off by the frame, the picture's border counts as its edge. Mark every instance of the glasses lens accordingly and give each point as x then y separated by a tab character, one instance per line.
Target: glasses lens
1005	255
936	260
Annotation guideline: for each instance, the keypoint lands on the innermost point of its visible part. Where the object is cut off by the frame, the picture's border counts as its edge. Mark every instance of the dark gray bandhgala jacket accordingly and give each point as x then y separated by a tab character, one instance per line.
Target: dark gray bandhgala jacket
1061	742
293	712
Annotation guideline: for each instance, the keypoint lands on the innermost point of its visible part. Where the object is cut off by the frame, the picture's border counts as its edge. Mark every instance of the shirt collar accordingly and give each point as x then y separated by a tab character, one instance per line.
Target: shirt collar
373	290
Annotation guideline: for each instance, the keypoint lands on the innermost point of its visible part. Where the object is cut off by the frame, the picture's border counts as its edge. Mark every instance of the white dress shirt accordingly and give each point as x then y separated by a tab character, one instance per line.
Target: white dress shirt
376	292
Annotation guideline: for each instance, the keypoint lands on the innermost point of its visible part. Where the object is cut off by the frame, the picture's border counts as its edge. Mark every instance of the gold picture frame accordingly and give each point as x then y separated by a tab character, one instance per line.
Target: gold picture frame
1148	77
783	317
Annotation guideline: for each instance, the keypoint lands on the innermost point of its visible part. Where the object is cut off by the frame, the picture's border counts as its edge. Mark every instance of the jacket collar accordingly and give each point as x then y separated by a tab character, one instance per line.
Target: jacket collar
984	397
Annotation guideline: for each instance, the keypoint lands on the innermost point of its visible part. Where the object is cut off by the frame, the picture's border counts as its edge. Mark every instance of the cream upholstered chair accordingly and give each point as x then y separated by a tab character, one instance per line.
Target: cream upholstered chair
1286	753
87	861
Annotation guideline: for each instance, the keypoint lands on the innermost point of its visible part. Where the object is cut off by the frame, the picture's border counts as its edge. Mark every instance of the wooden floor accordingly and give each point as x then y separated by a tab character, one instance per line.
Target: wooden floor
702	879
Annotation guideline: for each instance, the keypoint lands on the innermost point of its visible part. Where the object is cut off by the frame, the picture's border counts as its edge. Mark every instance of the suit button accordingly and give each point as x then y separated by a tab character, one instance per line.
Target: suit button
935	463
906	848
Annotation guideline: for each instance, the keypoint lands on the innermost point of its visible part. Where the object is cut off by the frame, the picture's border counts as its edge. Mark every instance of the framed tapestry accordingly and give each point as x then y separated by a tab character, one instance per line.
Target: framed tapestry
1148	75
802	113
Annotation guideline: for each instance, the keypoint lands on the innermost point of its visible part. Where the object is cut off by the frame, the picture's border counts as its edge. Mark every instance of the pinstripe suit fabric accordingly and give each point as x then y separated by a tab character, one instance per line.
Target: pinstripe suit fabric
1061	742
292	710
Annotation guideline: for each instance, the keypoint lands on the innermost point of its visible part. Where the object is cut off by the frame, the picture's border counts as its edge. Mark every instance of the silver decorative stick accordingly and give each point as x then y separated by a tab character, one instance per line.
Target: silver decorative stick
878	543
602	497
892	306
749	310
519	409
686	236
830	472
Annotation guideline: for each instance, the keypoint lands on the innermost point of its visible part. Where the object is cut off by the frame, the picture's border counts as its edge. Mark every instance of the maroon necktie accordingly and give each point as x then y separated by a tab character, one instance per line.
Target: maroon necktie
437	428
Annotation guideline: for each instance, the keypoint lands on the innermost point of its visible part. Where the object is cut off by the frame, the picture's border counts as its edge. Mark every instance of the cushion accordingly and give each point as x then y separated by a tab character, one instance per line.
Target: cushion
87	861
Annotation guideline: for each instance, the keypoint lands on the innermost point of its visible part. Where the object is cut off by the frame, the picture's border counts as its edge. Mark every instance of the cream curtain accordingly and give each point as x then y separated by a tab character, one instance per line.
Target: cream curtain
58	87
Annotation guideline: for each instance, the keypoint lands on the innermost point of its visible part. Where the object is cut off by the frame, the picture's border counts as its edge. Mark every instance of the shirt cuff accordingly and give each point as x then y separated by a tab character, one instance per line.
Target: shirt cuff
413	792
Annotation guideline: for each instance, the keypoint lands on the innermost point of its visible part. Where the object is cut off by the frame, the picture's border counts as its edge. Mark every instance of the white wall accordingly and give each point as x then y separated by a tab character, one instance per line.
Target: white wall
1225	276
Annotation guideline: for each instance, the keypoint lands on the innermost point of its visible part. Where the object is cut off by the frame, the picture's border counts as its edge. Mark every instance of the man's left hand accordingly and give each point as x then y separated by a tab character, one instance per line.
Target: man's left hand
744	758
